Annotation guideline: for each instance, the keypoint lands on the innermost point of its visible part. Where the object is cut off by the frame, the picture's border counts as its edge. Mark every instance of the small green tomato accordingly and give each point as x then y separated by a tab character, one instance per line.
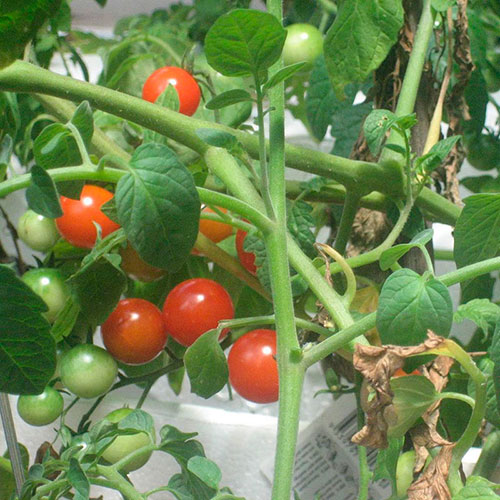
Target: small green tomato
304	43
40	409
124	445
404	472
38	232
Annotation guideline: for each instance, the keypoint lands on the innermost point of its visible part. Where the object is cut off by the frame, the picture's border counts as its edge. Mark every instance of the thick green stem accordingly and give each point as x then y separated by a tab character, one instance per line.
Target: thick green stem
119	482
362	176
471	271
349	211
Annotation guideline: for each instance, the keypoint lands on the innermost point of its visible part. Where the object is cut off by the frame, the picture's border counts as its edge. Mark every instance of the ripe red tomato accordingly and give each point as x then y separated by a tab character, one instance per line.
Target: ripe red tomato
195	306
134	332
135	267
401	373
77	222
213	230
253	371
247	259
187	89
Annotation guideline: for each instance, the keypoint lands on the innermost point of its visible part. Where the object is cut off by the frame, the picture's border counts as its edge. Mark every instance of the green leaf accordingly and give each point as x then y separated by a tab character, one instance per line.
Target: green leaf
65	320
283	74
95	300
477	232
346	125
55	147
442	5
387	460
376	126
19	22
138	421
494	352
169	98
412	396
78	479
6	149
217	138
484	313
83	120
158	206
250	303
170	434
27	350
393	254
481	184
476	97
477	488
206	470
244	42
42	195
206	365
409	305
228	98
360	38
435	157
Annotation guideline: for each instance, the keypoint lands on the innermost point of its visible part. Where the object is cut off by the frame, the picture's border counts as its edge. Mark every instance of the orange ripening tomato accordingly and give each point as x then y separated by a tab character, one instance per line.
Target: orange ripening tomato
76	225
401	373
247	259
214	230
187	89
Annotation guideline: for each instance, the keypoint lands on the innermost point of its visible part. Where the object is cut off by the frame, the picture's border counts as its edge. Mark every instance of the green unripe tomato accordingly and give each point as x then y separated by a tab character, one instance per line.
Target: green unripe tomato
483	152
124	445
88	371
38	232
404	472
40	409
50	285
304	43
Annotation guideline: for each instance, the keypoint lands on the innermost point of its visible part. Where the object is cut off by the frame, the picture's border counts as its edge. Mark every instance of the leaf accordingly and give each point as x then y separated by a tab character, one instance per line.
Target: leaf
481	184
477	488
393	254
494	352
27	350
299	223
244	42
283	74
78	479
412	396
376	126
158	207
484	313
477	231
206	470
6	149
217	138
476	96
169	98
228	98
95	300
442	5
437	154
170	434
83	120
65	320
387	460
206	365
138	421
346	125
55	147
251	303
42	195
360	38
409	305
19	22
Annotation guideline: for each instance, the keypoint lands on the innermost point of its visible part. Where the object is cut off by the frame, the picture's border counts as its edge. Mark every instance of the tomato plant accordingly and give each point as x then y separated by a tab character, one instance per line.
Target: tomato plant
304	43
40	409
87	370
126	444
483	152
136	268
247	259
253	371
51	286
214	230
38	232
404	472
187	89
77	224
134	332
195	306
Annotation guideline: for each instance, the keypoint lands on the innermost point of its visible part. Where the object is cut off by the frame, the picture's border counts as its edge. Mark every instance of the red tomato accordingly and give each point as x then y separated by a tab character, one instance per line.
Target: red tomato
187	89
253	371
77	222
401	373
135	267
195	306
134	332
213	230
247	259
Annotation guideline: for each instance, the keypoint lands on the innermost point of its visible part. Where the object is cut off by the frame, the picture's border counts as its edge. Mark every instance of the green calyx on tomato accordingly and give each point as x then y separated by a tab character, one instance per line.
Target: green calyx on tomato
134	332
187	89
126	444
88	371
195	306
304	43
253	371
77	224
52	288
40	409
36	231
